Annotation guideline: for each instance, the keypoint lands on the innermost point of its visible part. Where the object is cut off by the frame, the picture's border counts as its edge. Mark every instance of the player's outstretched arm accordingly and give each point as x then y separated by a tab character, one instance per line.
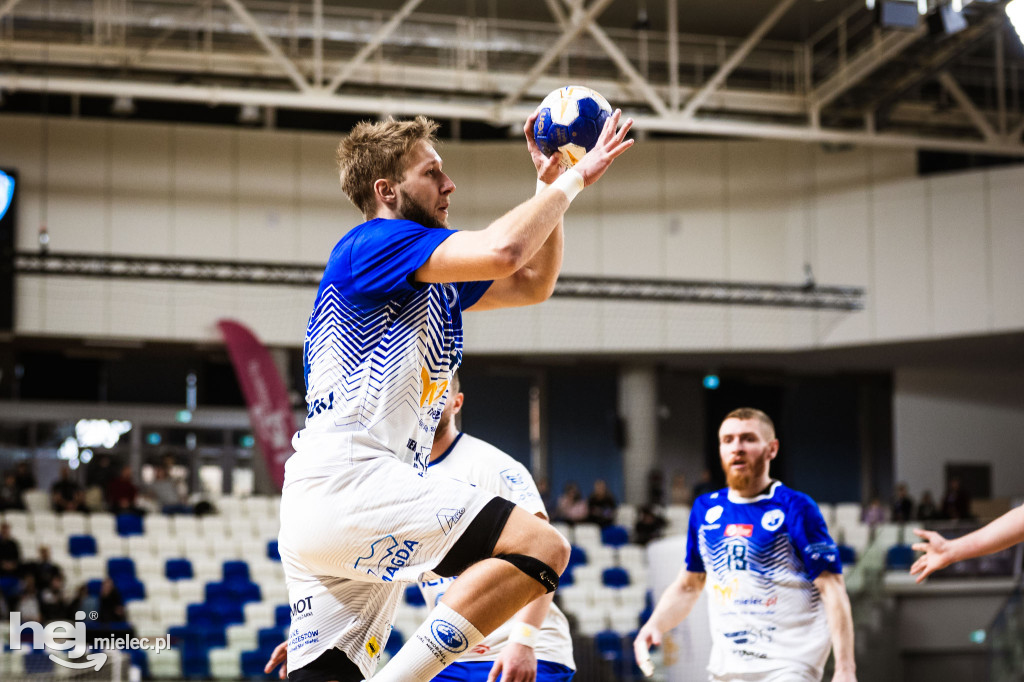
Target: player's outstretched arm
840	624
512	241
278	658
939	552
672	609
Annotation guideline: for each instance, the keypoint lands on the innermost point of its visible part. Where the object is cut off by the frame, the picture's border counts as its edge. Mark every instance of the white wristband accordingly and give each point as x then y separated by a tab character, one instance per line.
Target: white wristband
541	186
570	182
524	633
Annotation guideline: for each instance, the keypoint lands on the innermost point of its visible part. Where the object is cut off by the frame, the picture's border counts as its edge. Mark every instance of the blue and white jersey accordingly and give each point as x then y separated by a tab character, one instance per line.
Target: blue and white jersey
761	556
380	347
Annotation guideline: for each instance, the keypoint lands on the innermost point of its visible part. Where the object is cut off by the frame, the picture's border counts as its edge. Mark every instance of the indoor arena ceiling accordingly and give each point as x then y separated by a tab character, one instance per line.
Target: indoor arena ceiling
808	70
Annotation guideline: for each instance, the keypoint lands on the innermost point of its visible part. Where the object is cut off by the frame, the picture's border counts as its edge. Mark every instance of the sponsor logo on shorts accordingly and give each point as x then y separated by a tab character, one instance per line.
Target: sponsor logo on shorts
448	517
302	608
386	557
372	647
449	636
513	479
713	514
773	519
298	640
739	530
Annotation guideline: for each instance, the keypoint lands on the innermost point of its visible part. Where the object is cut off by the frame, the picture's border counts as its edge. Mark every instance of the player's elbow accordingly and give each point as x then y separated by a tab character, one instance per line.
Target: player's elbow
507	258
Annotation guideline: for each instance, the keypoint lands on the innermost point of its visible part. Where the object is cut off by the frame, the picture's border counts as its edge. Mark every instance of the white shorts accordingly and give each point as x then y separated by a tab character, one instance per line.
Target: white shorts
353	533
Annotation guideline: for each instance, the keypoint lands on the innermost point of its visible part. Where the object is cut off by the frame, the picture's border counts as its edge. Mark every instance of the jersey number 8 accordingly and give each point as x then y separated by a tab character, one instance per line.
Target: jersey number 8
738	557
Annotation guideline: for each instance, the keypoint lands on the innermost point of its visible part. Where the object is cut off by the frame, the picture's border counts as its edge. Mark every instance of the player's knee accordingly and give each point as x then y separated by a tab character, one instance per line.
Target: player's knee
560	549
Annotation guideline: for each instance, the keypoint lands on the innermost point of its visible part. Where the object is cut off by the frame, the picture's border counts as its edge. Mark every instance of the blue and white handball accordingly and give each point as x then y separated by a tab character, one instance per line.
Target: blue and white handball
570	121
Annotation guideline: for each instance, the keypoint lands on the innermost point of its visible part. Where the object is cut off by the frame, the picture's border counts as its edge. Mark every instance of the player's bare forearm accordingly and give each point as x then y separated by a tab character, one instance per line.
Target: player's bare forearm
677	602
939	552
533	283
840	623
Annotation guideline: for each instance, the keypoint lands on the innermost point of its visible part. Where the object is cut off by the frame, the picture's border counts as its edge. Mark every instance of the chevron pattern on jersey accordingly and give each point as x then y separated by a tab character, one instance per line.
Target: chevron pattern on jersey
367	365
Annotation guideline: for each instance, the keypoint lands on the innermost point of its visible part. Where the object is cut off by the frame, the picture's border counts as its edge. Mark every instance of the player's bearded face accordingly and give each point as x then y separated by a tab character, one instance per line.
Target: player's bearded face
410	209
757	463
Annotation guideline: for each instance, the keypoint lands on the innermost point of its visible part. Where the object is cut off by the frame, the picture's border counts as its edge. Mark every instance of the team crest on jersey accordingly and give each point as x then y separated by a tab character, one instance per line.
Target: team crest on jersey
448	518
514	479
773	519
713	514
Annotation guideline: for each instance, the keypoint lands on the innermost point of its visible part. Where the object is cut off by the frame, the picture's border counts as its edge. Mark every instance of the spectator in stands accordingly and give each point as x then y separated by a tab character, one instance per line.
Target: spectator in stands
873	514
705	485
544	488
66	495
601	505
121	493
53	605
650	522
28	600
164	492
956	503
43	569
656	486
24	478
572	508
98	475
681	494
83	601
926	509
10	494
10	553
902	505
111	604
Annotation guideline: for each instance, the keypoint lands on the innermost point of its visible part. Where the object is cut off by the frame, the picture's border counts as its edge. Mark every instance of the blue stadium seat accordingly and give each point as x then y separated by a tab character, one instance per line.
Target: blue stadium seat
610	648
899	558
129	524
236	571
199	615
121	568
38	662
94	586
218	590
10	585
413	596
567	578
273	552
283	616
577	556
131	589
81	545
243	593
197	636
616	576
395	642
614	536
847	555
195	663
645	615
271	637
140	660
178	569
253	662
226	612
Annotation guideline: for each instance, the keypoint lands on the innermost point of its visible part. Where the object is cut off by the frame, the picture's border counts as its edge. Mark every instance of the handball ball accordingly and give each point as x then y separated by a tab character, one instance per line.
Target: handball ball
570	121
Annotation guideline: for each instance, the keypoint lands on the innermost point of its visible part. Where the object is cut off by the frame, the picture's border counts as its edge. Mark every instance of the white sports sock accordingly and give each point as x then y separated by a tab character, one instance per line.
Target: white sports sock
442	638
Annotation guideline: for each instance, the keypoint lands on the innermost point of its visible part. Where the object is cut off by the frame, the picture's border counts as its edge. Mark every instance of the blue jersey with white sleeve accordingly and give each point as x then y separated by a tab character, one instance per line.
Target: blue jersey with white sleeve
380	347
761	556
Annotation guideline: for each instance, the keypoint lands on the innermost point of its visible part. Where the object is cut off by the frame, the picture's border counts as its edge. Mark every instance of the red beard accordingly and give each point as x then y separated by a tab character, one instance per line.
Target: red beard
742	480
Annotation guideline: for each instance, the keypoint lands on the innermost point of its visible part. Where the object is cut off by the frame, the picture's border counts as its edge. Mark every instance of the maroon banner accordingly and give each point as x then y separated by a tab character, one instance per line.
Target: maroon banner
269	411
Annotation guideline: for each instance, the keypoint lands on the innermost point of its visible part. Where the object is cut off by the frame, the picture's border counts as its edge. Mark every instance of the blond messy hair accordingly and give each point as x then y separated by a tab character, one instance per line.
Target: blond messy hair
744	413
375	151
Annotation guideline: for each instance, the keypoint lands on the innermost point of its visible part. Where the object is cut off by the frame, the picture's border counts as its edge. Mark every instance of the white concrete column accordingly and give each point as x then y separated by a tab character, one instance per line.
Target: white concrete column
638	407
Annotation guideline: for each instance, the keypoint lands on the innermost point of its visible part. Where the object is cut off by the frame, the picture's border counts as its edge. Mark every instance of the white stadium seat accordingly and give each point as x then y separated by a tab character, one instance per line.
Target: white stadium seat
165	664
226	664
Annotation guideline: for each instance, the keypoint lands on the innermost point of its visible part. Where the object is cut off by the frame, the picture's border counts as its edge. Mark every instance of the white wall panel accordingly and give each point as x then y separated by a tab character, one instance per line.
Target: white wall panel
1006	208
266	201
30	297
204	185
631	326
694	204
140	190
632	217
901	296
758	194
324	213
78	202
562	325
139	305
77	306
960	253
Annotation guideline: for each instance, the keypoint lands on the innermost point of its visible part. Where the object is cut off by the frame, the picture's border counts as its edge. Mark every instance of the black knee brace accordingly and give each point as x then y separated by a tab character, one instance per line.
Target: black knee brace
535	568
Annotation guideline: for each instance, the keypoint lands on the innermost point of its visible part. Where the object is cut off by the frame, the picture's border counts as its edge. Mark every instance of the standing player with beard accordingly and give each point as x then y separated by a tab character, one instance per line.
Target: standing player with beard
776	596
358	518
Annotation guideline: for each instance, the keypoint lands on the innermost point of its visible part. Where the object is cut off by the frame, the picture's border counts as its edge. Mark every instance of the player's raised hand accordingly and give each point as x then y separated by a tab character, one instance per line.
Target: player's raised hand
279	657
548	167
937	554
610	145
647	637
